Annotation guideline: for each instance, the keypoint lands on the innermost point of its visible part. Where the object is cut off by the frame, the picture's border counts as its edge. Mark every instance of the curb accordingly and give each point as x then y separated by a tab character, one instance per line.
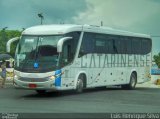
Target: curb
148	85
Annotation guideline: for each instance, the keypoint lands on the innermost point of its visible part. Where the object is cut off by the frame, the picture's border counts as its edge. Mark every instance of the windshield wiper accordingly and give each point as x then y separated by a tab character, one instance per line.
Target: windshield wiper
37	50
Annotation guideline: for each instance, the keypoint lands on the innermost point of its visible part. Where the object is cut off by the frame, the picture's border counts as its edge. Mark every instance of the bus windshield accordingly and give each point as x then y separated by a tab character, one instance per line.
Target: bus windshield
41	50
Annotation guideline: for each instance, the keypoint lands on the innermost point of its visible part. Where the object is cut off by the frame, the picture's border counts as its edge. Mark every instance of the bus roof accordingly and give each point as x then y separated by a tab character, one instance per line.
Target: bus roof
52	29
66	28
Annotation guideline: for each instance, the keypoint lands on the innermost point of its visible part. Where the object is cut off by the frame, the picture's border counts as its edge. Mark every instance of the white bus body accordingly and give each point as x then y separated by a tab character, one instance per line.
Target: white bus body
65	57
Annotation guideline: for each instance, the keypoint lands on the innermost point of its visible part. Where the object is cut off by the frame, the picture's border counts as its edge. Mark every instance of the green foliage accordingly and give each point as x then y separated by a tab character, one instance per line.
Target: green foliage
5	36
157	59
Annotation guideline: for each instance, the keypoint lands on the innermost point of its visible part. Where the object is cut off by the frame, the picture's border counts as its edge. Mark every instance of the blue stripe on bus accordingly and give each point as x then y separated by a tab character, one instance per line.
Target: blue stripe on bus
58	79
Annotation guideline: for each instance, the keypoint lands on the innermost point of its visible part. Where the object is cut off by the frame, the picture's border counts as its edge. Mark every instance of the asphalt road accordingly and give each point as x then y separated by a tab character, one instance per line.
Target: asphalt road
109	100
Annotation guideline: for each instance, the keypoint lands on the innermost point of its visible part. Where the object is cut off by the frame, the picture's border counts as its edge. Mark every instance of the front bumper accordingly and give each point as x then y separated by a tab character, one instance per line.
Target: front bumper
47	85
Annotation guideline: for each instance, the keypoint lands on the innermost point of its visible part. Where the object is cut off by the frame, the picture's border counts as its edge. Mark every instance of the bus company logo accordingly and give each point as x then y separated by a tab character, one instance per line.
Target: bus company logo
36	65
115	60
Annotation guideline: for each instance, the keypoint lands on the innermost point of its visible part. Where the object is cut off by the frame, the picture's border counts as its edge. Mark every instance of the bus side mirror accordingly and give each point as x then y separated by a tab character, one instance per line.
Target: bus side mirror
61	42
8	46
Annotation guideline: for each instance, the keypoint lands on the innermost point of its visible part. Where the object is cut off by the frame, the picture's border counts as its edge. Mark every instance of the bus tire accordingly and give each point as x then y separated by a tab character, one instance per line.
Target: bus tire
41	91
80	85
132	83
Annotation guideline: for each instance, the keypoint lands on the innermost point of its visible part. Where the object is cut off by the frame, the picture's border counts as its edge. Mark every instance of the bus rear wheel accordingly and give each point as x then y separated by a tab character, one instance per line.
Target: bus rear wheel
80	85
132	83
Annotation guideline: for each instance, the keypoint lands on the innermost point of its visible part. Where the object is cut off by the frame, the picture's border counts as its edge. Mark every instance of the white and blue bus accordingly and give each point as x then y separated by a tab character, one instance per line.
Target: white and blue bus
66	57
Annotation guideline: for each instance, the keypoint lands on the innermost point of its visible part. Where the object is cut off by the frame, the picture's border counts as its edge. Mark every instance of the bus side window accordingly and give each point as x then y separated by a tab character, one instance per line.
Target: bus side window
87	45
146	46
136	46
73	44
67	55
128	45
115	46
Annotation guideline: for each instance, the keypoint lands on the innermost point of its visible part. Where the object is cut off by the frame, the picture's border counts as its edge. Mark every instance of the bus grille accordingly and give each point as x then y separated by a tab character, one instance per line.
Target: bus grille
34	79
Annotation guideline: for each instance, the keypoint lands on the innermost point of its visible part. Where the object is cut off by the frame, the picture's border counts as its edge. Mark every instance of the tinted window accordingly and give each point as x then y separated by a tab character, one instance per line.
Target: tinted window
87	45
146	46
109	45
114	44
100	44
128	46
120	44
141	46
73	44
136	46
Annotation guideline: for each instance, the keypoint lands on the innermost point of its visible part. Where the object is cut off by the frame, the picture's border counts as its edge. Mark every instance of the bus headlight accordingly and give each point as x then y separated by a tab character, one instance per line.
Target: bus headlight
16	77
52	78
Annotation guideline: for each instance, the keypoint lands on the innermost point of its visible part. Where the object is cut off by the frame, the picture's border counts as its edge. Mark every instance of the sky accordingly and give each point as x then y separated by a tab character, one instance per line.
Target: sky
141	16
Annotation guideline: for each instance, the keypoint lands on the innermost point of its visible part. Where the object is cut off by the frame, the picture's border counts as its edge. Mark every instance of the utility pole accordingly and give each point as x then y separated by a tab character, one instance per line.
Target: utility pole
41	17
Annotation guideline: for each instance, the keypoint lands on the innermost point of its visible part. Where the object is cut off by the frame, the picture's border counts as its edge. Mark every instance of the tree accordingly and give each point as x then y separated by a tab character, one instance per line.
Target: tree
5	35
157	59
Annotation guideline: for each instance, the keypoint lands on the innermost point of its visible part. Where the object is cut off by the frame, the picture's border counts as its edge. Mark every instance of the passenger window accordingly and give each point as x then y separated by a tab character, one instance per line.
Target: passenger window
109	45
87	45
146	46
136	46
66	57
128	45
100	45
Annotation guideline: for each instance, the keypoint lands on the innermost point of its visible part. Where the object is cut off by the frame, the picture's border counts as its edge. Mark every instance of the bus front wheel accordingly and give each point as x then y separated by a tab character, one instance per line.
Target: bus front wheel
80	86
132	83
